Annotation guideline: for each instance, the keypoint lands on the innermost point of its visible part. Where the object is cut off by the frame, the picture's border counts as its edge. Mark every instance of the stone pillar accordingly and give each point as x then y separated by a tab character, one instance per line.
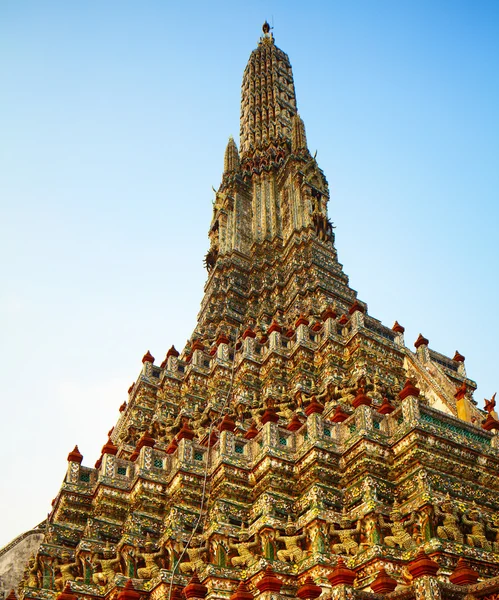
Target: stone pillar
74	462
410	404
195	590
424	571
341	579
269	585
172	359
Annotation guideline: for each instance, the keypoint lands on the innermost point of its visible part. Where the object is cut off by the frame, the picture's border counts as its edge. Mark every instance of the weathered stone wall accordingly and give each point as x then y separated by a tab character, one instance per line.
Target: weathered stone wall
14	556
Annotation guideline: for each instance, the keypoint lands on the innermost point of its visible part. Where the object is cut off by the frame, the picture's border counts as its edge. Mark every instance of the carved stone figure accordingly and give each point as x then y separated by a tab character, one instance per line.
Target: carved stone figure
400	537
32	575
109	564
347	543
477	537
195	554
449	529
66	571
246	558
151	568
292	552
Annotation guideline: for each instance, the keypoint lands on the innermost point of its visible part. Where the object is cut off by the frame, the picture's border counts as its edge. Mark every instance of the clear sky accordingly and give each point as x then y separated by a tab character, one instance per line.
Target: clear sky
113	123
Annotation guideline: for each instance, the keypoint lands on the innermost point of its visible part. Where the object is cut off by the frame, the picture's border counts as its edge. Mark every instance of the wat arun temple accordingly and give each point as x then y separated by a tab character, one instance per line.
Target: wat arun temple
296	447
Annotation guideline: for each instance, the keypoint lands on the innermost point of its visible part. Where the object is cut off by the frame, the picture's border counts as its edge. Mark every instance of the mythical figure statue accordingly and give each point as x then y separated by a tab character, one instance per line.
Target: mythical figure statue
151	568
246	558
195	554
449	530
66	570
494	529
477	537
109	564
400	537
347	543
32	572
292	552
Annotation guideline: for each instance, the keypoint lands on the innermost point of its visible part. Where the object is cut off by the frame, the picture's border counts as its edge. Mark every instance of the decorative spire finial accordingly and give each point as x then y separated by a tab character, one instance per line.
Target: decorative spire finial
231	159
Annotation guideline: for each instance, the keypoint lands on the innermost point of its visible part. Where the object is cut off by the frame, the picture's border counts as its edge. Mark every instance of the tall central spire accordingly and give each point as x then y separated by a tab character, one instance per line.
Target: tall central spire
272	249
268	101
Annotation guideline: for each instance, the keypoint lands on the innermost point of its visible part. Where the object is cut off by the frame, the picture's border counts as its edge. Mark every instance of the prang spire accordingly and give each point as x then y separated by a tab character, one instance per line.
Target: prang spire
299	137
231	159
268	101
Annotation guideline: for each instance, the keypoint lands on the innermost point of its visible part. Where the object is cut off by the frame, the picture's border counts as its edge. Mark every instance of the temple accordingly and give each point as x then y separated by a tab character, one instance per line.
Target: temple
296	447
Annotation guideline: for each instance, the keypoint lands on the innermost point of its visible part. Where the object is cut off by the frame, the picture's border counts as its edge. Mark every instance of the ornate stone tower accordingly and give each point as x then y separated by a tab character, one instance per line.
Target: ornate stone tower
296	446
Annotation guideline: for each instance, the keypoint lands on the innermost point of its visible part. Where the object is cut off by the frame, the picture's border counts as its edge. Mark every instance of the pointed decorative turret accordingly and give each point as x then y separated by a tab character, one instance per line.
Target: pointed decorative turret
231	159
299	138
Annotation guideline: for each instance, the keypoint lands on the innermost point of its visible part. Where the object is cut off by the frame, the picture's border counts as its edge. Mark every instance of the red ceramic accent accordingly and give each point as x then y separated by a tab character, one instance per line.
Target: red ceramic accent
176	594
75	455
197	345
290	333
66	594
148	357
329	313
309	590
316	326
458	357
129	592
315	407
397	327
98	462
146	440
341	574
123	406
242	592
422	565
301	320
269	415
227	424
274	327
339	415
210	441
248	333
222	339
421	341
356	307
213	350
343	320
361	399
130	389
463	574
294	424
263	339
461	392
269	582
490	423
11	596
172	352
109	448
195	589
383	583
186	432
252	432
134	455
409	390
386	408
172	446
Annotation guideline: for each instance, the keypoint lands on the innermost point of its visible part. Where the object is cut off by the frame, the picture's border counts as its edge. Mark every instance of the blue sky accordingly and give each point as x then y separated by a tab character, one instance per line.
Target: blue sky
114	120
